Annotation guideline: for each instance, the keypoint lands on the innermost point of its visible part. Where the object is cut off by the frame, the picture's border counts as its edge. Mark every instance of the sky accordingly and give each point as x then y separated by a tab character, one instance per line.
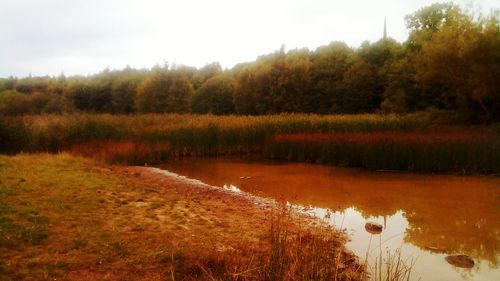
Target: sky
50	37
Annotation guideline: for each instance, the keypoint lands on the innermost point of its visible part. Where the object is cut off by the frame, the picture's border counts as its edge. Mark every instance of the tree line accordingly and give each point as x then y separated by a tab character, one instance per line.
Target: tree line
450	61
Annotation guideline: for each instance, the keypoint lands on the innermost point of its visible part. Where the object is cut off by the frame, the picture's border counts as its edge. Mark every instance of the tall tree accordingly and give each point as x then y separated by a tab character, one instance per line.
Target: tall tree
164	92
329	65
215	96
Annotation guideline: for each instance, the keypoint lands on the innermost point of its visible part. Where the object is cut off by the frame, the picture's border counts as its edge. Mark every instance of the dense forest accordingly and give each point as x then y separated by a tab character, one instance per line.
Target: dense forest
450	61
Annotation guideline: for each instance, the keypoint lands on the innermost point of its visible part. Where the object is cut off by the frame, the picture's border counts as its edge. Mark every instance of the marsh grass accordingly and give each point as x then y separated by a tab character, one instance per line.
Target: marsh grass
197	134
307	255
462	151
409	142
391	266
122	152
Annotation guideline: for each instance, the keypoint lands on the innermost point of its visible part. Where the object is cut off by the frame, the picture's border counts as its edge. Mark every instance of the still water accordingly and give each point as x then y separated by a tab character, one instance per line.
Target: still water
428	216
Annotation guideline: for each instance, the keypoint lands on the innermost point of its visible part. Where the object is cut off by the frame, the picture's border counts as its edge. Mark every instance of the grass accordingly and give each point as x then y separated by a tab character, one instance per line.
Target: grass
20	226
40	211
70	218
415	142
464	151
195	134
307	255
389	267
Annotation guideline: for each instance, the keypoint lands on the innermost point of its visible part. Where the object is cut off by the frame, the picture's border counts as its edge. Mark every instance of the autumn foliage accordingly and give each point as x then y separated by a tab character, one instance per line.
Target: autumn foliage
449	62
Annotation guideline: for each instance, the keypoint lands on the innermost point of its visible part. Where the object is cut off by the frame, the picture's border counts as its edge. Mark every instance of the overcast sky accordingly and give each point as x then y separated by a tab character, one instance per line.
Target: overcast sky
85	36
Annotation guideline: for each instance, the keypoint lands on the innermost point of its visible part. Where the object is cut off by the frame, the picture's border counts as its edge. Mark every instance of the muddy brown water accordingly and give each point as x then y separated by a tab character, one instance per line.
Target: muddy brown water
428	217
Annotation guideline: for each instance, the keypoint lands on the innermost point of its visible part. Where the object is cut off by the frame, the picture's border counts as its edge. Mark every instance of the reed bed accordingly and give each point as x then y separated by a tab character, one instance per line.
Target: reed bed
369	140
194	134
474	151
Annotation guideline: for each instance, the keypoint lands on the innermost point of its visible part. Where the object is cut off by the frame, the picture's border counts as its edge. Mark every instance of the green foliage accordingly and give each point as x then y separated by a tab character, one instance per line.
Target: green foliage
359	94
430	19
215	96
14	135
32	84
463	60
329	65
449	62
275	83
203	74
123	94
164	92
15	103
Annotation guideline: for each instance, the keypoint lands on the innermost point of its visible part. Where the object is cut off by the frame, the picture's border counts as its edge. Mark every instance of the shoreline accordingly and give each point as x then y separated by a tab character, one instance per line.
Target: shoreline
112	222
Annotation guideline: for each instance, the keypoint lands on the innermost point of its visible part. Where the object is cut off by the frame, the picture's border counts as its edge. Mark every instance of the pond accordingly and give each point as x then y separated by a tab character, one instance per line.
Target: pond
428	217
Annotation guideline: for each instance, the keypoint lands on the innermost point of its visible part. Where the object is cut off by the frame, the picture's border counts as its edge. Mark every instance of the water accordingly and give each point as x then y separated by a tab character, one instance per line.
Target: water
428	216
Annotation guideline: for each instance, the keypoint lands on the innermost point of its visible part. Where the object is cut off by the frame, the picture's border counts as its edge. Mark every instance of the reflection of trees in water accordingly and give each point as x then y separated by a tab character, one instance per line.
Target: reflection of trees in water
452	214
453	219
456	231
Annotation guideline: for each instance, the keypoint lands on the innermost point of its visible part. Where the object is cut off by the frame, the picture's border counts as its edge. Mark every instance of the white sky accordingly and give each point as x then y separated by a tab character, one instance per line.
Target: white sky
85	36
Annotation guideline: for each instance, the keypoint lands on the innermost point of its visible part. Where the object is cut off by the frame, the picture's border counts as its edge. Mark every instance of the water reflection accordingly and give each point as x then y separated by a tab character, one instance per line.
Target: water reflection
430	216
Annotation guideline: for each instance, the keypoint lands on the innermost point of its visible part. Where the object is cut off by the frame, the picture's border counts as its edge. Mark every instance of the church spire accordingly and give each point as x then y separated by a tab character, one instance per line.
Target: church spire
385	29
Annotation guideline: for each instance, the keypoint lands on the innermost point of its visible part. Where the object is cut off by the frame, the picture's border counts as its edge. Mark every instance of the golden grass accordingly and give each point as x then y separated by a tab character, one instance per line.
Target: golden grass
71	218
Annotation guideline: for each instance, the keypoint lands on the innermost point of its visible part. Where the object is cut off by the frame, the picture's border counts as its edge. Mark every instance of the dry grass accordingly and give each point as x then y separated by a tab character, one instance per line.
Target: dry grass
307	255
391	266
70	218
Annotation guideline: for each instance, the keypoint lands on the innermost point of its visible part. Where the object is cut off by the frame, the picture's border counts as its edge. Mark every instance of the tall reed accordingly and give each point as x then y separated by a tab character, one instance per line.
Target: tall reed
183	134
418	151
369	140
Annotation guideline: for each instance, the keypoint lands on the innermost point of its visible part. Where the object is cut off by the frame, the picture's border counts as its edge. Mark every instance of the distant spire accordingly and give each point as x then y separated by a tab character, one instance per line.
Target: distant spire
385	29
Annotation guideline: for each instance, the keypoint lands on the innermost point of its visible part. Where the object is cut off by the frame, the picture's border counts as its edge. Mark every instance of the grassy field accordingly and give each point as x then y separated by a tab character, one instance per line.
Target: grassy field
417	142
69	218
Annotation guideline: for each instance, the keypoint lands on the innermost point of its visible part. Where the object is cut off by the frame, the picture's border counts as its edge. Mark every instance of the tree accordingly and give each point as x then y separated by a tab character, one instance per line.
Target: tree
329	65
123	94
244	95
358	93
15	103
164	92
79	93
10	83
203	74
464	59
425	22
215	96
275	83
